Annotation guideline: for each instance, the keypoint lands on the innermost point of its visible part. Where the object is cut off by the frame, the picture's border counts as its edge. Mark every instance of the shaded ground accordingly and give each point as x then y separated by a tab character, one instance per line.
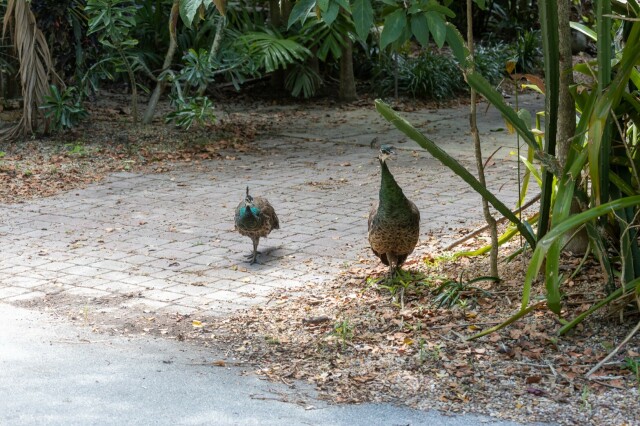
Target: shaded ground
155	254
86	378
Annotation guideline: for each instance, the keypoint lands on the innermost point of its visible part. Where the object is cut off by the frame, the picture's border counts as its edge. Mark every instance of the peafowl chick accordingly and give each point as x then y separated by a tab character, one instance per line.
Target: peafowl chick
255	218
394	221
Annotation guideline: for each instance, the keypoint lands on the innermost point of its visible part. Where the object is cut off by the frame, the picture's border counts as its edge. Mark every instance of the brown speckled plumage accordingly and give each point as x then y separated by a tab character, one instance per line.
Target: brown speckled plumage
394	221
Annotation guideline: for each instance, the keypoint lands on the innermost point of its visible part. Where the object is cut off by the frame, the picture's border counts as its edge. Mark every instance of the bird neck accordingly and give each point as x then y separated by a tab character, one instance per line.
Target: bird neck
390	191
250	212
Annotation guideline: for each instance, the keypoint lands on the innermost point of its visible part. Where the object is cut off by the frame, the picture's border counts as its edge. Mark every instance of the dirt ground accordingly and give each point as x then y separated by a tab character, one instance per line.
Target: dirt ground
361	337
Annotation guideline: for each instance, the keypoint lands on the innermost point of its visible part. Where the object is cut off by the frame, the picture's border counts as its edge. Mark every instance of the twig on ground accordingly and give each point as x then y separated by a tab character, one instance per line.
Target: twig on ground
609	385
615	351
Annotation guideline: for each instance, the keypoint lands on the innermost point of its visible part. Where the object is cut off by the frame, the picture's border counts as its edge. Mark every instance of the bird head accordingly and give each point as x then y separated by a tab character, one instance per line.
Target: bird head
250	209
385	152
248	199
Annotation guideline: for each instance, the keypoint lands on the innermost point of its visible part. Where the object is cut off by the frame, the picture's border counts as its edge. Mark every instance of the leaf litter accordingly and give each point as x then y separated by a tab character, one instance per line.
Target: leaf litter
357	339
368	348
353	342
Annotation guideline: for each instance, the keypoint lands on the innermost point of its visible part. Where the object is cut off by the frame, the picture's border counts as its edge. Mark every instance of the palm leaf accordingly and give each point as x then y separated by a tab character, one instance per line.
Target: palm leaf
273	51
303	80
36	66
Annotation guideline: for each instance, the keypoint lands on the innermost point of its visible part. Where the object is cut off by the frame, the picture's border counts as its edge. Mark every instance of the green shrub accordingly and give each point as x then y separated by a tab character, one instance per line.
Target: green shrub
527	52
188	87
491	60
64	109
430	76
197	109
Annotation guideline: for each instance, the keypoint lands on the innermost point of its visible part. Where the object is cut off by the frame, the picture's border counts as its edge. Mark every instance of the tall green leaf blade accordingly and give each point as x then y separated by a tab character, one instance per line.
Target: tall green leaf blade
457	45
549	26
394	24
561	210
420	28
482	86
599	129
332	13
188	10
600	144
300	11
362	17
437	28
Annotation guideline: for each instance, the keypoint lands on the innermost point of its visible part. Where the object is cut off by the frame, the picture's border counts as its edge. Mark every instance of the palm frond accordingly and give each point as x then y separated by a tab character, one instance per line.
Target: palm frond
303	80
272	50
36	66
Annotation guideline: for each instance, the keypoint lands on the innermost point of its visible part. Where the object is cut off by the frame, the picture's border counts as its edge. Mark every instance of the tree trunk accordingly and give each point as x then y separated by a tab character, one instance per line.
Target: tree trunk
567	117
274	13
347	78
566	105
285	10
217	39
161	84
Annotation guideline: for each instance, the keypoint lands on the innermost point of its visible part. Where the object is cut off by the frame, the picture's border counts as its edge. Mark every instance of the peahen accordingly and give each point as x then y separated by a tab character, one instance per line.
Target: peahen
255	218
394	221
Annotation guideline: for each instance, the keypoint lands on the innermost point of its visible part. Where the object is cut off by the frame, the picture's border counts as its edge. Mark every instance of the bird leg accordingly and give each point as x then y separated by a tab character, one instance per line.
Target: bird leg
392	271
393	265
254	255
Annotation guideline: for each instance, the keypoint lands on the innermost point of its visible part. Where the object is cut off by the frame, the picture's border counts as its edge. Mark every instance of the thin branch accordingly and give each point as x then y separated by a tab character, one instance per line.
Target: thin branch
486	227
491	222
615	351
161	83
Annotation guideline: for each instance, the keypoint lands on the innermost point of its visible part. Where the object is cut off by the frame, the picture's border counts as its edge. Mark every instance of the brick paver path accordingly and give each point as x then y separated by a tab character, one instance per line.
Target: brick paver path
168	239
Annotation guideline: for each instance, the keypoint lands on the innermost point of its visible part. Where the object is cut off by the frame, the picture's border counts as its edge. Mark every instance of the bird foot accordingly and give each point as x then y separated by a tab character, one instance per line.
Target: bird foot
253	258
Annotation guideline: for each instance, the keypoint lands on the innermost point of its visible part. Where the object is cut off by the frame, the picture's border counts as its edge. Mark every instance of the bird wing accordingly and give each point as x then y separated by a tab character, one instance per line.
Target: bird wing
372	214
267	211
415	213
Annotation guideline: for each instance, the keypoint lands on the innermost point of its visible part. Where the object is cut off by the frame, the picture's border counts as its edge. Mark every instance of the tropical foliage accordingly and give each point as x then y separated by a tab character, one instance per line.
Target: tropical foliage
113	21
63	108
600	173
305	44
